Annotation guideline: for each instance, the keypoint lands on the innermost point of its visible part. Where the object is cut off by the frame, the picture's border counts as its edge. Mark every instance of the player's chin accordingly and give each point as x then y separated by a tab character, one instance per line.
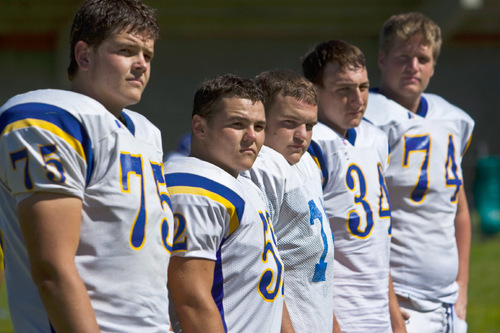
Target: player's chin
295	156
134	95
355	122
247	161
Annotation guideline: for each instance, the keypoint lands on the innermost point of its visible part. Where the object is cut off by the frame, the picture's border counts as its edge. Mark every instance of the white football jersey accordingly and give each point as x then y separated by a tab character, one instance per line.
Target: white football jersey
356	202
63	142
224	219
423	178
270	173
305	240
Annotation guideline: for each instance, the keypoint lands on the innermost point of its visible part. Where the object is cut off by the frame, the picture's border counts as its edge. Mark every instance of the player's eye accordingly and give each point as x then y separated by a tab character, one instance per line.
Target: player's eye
259	127
126	51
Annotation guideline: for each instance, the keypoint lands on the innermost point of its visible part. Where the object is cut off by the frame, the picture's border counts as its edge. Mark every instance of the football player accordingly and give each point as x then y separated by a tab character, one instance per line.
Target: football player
295	195
86	222
355	156
428	137
225	273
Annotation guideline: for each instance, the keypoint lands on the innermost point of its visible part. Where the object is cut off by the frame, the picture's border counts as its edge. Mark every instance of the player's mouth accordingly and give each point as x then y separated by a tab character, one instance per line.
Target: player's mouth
248	150
135	80
297	147
357	112
411	79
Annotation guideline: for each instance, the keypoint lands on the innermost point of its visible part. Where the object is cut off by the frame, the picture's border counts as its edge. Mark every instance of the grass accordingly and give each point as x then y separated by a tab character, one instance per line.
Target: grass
483	311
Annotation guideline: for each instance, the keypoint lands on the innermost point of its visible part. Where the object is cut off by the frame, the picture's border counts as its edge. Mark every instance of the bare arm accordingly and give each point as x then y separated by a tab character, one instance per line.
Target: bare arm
397	320
336	327
463	239
286	322
190	283
51	228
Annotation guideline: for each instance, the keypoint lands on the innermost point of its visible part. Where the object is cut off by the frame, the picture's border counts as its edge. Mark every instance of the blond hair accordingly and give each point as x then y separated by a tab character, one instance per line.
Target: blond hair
405	26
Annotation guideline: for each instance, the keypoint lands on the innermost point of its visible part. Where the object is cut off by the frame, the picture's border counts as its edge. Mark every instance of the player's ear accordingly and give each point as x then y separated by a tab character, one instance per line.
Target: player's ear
198	125
82	55
381	60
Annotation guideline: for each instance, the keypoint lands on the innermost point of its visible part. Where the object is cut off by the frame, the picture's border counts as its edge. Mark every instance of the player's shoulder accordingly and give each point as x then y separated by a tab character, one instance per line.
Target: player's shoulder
322	132
307	167
438	107
382	111
74	113
269	159
269	165
367	130
142	128
324	140
44	99
139	119
194	182
197	167
252	191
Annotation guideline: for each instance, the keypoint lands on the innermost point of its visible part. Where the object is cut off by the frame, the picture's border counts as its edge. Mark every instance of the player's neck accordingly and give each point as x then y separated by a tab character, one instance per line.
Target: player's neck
411	103
84	88
341	131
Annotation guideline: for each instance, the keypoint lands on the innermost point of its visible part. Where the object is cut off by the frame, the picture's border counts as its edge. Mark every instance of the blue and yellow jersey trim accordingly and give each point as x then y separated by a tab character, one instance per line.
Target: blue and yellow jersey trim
351	135
129	123
467	146
53	119
187	183
423	108
2	256
318	157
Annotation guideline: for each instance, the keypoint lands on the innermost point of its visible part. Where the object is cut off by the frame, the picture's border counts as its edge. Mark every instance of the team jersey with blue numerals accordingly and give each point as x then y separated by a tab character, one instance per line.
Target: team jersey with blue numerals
305	240
63	142
356	202
225	219
423	178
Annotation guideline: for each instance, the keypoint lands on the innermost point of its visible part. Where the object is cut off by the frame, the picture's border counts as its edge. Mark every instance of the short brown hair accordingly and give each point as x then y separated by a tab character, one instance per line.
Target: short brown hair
96	20
405	26
212	91
285	82
337	52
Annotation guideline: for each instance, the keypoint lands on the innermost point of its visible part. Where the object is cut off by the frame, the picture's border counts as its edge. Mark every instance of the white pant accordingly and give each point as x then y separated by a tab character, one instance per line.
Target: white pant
442	319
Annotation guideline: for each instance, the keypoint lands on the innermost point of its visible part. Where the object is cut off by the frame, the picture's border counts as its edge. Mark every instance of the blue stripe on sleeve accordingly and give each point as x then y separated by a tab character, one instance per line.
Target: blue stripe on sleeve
31	113
194	181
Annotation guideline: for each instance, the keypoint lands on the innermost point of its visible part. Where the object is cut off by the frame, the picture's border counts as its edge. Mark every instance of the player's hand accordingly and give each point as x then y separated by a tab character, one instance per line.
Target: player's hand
404	314
461	306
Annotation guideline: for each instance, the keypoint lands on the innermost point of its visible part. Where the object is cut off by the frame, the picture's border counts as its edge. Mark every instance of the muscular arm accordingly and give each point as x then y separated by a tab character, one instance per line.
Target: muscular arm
51	228
190	283
463	239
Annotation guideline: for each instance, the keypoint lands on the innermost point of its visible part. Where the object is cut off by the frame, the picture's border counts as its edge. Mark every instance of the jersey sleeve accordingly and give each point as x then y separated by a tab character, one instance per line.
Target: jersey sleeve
43	149
467	129
384	150
206	213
